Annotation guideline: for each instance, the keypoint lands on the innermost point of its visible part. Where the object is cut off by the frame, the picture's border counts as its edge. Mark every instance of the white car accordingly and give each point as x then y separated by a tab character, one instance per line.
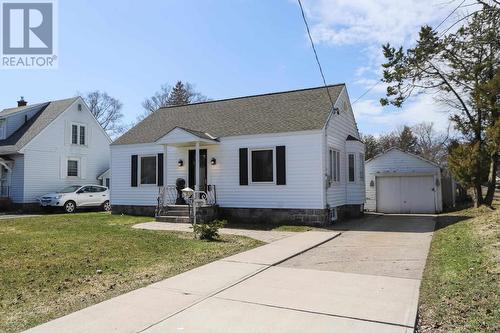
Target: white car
75	196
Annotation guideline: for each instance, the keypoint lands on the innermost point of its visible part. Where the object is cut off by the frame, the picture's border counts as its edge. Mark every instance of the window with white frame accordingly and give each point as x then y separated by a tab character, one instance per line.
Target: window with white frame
72	169
334	165
78	134
262	165
82	135
147	170
351	167
74	134
361	166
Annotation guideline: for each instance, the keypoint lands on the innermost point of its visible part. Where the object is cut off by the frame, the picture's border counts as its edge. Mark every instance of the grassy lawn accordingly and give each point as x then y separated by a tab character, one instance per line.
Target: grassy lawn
56	264
460	289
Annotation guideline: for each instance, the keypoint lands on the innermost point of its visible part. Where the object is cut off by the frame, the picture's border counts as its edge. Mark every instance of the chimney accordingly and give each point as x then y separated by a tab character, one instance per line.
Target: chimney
21	102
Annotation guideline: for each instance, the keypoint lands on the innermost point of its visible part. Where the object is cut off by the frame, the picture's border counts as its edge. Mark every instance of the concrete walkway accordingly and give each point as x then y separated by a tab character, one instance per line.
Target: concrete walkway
152	307
262	235
308	282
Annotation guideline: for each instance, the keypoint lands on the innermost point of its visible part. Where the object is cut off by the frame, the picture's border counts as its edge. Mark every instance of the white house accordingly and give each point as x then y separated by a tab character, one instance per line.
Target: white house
400	182
47	146
277	157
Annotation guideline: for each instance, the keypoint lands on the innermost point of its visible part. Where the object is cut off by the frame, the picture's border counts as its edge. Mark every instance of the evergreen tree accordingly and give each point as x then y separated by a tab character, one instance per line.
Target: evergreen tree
461	70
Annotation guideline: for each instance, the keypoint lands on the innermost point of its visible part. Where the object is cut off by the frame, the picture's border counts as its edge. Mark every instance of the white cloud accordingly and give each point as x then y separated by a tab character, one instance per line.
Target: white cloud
341	22
372	118
368	24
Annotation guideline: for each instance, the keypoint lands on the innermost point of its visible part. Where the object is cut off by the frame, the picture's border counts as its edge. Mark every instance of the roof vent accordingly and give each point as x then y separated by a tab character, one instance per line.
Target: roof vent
79	107
21	102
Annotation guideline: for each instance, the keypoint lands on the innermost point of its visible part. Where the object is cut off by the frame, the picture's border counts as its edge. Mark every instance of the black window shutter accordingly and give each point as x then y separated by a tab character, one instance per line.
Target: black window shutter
133	173
280	165
160	169
243	166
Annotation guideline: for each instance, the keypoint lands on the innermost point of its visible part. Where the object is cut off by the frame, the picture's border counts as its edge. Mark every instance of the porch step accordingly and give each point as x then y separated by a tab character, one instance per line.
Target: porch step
173	219
177	213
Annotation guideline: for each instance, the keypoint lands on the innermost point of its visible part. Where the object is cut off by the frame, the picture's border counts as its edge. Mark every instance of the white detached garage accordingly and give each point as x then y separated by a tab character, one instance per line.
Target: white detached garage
400	182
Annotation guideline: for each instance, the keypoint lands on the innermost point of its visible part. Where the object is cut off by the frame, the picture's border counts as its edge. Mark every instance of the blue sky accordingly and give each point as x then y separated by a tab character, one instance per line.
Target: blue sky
228	48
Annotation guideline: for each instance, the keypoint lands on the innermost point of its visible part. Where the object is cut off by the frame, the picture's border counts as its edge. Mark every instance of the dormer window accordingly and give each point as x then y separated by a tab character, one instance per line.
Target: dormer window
3	129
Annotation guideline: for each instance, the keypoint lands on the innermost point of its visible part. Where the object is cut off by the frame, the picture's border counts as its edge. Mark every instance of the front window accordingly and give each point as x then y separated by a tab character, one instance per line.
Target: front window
262	165
72	168
351	167
70	189
148	170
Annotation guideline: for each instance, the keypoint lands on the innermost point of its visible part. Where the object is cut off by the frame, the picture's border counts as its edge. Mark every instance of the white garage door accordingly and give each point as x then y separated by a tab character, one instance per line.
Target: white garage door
406	194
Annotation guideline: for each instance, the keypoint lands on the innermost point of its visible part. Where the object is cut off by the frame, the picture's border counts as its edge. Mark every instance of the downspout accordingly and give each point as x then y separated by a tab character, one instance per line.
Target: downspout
325	157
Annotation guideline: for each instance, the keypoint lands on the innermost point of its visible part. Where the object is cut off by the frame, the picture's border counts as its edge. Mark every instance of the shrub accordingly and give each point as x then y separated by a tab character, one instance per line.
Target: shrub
210	230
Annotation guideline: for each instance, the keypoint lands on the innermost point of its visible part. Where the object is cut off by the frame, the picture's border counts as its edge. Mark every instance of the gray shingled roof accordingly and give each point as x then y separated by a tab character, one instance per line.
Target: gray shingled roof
290	111
49	111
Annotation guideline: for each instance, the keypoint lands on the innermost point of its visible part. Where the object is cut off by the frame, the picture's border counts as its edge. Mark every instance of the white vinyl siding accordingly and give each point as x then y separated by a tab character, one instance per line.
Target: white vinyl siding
303	172
338	128
46	156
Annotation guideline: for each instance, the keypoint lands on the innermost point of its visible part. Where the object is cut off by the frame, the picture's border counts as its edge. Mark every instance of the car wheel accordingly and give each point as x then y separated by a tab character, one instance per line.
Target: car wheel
106	206
69	207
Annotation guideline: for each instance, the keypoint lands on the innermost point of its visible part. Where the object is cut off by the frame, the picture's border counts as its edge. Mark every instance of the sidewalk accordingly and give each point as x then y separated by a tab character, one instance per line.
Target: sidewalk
267	236
146	307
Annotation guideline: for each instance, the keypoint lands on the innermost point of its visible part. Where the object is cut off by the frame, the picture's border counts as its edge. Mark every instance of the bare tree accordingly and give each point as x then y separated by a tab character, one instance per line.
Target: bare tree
431	144
107	111
181	94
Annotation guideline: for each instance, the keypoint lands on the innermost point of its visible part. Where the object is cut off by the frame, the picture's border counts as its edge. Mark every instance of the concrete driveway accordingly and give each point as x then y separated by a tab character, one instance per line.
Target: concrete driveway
309	282
382	245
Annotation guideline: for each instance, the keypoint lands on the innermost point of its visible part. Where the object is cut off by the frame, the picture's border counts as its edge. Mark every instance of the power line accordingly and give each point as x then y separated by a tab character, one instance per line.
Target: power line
367	91
447	17
315	53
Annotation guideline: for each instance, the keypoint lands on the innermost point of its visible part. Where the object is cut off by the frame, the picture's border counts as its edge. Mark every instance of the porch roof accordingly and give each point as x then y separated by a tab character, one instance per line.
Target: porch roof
180	136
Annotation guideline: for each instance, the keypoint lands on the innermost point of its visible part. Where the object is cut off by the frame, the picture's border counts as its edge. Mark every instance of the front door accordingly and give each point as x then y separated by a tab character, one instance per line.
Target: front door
192	170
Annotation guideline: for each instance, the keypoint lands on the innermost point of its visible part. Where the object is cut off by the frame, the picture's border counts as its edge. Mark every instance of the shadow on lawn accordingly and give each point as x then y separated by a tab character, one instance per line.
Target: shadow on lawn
445	221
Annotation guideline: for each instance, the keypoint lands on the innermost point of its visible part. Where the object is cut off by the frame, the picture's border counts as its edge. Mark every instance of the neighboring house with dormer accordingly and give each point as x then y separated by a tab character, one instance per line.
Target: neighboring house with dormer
287	157
47	146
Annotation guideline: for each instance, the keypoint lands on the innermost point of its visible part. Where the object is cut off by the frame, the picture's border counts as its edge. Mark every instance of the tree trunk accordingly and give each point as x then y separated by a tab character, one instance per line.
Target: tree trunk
477	195
488	200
